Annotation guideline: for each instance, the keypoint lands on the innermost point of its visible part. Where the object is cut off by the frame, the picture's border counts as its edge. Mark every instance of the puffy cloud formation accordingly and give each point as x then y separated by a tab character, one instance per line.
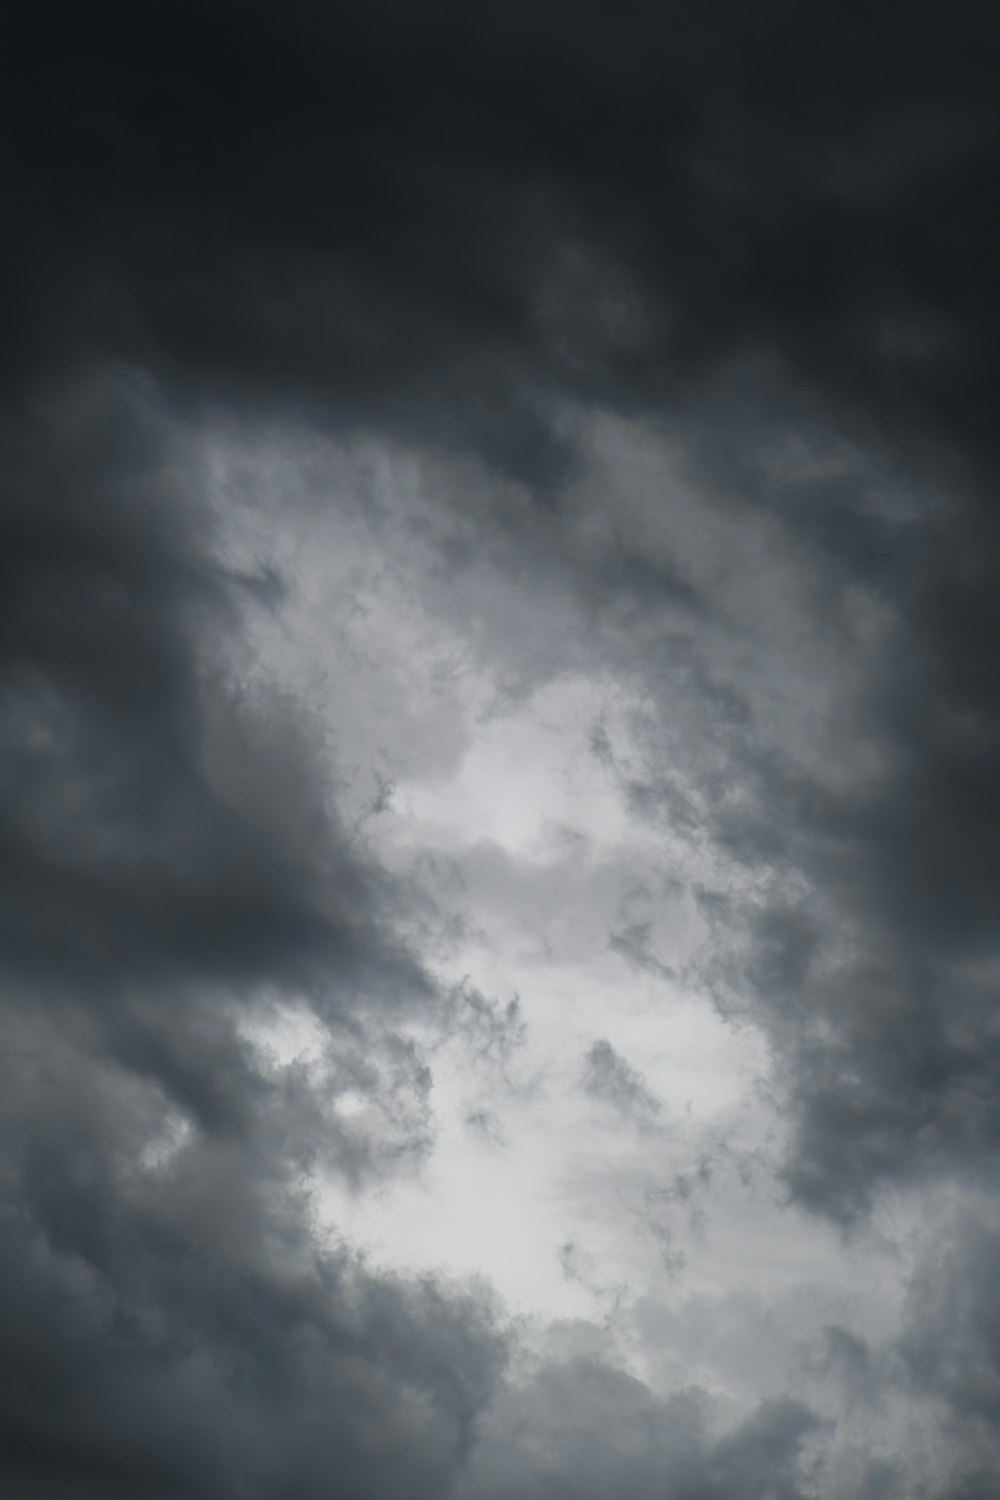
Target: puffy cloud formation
493	497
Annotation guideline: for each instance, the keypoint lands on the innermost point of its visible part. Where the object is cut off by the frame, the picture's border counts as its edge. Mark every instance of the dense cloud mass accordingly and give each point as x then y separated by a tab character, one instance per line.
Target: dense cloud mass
499	496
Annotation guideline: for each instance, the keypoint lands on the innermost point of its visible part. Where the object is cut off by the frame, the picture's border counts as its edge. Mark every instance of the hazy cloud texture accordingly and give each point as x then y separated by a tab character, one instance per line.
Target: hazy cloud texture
651	349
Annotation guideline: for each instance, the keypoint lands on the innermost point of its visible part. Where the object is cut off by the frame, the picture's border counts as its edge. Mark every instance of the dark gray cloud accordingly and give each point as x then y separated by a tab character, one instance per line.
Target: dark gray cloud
345	202
174	1329
612	1081
449	226
831	778
951	1340
170	856
870	954
581	1428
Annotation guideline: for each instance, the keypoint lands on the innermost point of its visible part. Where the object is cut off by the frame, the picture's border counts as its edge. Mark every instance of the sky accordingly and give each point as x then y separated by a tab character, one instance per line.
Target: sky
499	718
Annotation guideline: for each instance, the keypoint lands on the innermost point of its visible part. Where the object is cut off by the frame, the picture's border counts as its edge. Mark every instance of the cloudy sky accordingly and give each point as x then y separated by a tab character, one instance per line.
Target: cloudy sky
499	736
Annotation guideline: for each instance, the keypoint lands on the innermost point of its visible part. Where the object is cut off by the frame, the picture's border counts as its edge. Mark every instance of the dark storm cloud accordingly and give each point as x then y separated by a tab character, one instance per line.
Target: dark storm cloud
944	1365
343	201
165	819
586	1430
175	1331
434	221
951	1341
170	857
876	975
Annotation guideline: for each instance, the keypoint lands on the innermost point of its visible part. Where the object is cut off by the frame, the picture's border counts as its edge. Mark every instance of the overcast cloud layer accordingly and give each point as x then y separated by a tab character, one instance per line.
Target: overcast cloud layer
499	726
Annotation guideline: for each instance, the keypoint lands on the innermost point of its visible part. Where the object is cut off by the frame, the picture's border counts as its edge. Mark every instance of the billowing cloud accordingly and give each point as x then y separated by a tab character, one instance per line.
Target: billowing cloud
498	726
